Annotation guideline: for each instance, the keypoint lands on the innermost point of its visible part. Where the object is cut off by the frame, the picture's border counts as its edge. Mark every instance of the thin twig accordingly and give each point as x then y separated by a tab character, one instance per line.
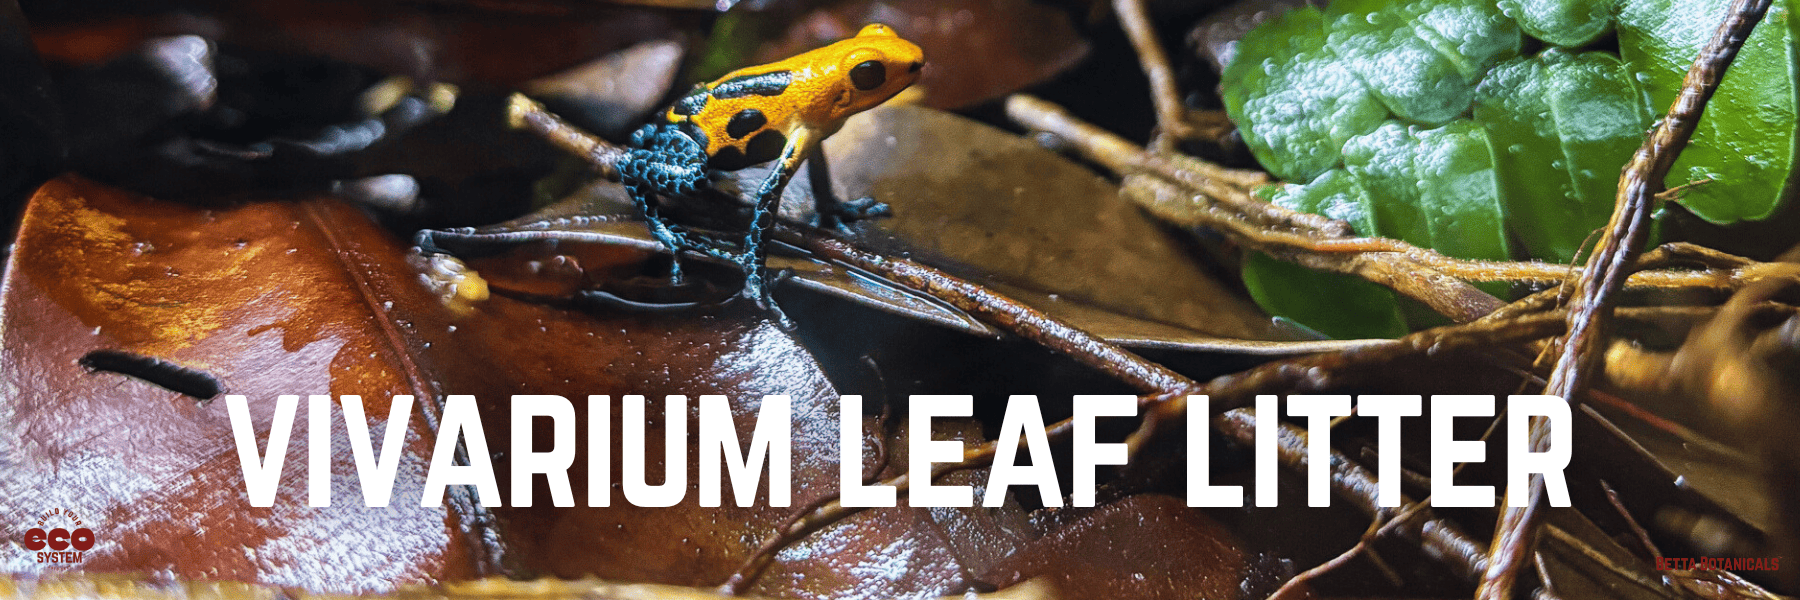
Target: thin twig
1171	116
1601	560
997	310
1311	373
1187	197
1608	267
1530	319
1641	180
1643	537
1192	193
1123	157
525	113
1438	538
1377	528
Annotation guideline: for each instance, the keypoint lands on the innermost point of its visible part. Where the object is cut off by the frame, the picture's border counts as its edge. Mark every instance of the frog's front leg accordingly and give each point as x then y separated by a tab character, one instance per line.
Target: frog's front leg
831	212
768	204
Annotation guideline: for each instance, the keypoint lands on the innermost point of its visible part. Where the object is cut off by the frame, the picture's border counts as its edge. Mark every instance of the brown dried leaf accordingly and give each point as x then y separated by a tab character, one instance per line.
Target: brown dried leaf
998	209
1144	546
259	299
310	297
467	42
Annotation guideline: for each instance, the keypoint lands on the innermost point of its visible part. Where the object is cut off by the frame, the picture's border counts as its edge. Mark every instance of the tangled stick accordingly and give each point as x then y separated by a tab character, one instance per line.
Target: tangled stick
1607	269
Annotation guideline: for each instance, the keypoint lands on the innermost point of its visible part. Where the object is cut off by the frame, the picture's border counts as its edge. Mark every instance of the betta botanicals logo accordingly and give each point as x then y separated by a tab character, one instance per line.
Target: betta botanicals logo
61	536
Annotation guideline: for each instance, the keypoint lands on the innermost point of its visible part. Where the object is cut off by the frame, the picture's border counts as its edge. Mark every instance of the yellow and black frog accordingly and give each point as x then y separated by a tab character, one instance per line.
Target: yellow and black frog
780	111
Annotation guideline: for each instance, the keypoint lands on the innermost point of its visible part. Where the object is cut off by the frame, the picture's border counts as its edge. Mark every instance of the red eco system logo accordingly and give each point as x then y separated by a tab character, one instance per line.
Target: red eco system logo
65	546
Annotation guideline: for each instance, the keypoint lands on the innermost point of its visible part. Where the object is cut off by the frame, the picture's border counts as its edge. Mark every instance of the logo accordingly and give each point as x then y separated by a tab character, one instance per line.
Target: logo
67	544
1715	563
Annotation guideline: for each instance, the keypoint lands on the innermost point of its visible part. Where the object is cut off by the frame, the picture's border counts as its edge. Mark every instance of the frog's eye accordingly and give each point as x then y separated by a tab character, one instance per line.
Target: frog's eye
868	75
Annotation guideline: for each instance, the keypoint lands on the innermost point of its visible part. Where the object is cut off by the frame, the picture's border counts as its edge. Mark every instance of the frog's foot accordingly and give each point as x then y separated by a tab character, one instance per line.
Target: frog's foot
676	241
757	288
838	214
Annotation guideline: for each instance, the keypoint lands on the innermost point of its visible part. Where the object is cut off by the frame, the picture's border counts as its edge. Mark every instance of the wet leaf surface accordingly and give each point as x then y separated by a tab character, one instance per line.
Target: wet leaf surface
306	297
259	300
1144	546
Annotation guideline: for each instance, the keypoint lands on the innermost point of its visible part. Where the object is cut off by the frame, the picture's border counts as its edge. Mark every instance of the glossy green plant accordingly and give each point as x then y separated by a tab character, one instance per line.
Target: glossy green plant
1426	116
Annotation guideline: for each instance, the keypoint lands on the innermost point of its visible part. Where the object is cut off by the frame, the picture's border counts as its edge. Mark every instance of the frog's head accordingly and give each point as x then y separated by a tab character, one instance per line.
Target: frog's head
869	68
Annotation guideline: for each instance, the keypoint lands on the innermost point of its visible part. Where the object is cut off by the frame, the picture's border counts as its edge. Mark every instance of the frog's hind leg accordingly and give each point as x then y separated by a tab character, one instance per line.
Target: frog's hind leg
831	212
666	162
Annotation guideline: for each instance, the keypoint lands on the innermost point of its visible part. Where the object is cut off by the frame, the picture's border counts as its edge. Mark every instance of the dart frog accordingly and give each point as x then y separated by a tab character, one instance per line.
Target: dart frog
780	111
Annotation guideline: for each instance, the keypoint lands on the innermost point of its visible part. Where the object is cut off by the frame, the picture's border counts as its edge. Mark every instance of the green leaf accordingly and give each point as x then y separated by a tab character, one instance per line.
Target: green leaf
1536	163
1474	34
1745	142
1382	162
1406	73
1298	100
1338	305
1561	125
1459	192
1562	22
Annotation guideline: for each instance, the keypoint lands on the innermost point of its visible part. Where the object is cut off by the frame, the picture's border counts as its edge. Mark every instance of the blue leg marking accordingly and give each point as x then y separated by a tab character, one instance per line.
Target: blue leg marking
666	162
768	205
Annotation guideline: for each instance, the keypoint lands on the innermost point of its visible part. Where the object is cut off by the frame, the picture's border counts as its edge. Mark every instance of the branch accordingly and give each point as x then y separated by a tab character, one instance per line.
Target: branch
1171	116
1607	270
